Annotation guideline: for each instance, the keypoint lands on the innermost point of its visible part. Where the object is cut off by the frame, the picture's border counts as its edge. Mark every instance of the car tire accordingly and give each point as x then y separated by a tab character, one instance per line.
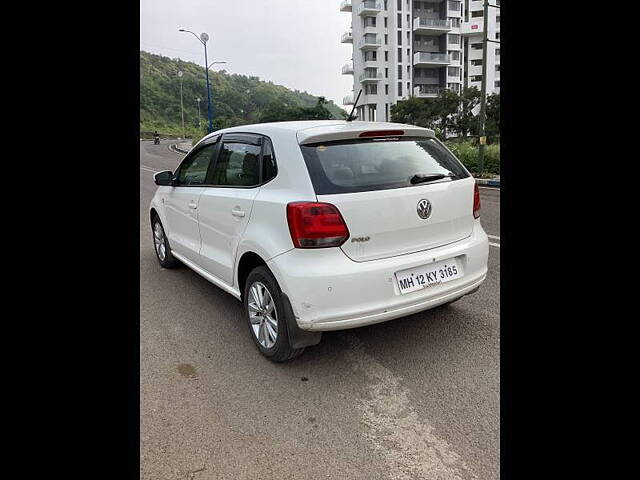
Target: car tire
265	316
161	245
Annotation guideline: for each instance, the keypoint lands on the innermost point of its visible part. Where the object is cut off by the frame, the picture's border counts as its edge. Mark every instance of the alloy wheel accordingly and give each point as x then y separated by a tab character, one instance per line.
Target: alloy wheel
158	241
263	315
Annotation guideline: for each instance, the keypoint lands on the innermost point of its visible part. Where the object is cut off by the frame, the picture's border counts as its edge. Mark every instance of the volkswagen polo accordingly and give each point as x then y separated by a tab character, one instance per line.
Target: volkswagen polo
322	225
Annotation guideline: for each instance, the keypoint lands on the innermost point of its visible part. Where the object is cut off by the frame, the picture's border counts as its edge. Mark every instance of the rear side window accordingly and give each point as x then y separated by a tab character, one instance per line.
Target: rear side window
269	169
237	165
366	165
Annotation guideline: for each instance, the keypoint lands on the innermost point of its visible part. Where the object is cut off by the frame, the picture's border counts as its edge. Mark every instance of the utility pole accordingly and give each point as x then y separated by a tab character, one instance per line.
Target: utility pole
204	38
184	132
199	118
483	92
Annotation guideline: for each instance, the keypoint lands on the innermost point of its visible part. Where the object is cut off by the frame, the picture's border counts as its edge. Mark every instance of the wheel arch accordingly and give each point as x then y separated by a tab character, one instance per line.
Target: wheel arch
248	261
153	213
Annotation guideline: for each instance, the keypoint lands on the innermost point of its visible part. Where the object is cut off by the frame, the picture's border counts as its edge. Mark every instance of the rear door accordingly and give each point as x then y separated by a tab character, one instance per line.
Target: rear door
226	203
388	214
181	202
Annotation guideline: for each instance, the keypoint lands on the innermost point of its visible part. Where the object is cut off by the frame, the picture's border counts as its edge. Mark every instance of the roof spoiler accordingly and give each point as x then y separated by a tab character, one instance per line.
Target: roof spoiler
356	130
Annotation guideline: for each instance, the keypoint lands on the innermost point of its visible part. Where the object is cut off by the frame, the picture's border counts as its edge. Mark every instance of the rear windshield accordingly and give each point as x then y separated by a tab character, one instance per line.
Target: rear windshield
364	165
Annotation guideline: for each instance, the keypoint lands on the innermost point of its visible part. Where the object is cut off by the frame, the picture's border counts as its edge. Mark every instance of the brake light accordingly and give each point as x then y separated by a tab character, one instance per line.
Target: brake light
316	225
382	133
476	201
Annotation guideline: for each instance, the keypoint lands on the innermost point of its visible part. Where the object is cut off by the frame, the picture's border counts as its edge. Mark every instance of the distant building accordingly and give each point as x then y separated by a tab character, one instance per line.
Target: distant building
407	47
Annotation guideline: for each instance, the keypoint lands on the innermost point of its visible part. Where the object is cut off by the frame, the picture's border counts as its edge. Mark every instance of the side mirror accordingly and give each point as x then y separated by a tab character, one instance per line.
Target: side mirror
164	179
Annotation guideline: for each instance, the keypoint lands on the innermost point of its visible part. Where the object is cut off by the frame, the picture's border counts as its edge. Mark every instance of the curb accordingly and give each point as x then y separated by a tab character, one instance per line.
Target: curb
487	182
177	148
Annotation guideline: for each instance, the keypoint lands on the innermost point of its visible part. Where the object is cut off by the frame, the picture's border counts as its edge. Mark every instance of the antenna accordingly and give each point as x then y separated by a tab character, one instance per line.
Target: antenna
355	104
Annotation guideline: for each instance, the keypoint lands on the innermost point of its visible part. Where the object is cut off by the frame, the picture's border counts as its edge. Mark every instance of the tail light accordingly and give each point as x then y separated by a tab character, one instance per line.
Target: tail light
316	225
476	201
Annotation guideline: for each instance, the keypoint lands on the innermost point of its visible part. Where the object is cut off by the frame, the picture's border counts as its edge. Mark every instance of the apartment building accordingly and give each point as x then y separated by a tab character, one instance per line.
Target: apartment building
404	48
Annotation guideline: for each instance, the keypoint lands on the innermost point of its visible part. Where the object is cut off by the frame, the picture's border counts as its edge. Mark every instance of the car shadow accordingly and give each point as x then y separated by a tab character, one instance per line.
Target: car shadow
422	335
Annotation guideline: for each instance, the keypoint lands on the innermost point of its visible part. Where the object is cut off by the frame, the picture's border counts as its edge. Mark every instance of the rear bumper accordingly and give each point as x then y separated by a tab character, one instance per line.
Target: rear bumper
329	291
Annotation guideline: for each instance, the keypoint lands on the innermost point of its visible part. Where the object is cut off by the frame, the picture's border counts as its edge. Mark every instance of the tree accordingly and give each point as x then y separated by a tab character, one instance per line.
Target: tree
237	99
274	111
445	107
317	112
414	111
492	125
465	121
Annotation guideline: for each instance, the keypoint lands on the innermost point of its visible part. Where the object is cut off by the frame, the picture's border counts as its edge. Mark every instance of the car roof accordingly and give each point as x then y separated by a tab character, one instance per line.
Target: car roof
309	131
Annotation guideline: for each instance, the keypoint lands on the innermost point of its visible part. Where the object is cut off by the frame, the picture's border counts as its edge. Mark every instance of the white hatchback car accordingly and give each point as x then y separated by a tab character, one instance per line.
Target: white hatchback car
323	225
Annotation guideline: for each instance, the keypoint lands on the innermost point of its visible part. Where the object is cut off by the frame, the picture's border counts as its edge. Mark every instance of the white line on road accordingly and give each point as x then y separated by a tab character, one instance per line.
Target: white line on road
494	244
493	236
142	167
488	188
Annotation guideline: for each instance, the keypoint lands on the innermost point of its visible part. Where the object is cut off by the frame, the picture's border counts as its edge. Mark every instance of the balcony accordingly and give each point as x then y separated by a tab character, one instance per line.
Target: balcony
426	91
345	6
431	26
369	8
426	59
347	69
368	77
348	100
347	37
370	99
369	44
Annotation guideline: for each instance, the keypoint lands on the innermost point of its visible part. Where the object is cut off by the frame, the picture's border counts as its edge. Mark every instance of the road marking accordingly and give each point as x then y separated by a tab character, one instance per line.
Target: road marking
405	440
494	244
493	236
489	188
142	167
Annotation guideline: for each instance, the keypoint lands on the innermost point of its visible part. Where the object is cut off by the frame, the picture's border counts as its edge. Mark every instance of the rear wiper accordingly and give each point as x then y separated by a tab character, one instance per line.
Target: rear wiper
428	177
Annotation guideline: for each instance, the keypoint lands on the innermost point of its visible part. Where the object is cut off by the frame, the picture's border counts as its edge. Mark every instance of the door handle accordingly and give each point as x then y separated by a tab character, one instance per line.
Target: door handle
193	205
237	213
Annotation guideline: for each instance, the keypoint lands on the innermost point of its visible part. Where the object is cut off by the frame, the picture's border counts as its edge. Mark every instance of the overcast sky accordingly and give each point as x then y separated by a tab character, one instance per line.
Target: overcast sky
295	43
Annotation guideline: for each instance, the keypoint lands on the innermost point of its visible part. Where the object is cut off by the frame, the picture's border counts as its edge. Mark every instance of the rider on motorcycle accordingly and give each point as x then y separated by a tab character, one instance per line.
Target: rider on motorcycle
156	137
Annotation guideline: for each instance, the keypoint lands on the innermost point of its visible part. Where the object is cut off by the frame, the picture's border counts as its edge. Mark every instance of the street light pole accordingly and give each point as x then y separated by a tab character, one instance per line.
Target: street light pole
199	118
203	39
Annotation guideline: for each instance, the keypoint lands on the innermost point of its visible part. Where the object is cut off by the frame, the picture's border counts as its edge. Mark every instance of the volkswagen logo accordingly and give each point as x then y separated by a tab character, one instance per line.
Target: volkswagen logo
424	208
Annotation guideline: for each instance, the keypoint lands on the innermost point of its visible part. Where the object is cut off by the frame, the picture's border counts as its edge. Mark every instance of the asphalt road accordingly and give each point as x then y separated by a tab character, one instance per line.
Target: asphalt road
413	398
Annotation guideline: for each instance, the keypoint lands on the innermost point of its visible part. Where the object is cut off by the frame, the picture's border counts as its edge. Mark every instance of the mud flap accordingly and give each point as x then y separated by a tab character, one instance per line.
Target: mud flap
298	338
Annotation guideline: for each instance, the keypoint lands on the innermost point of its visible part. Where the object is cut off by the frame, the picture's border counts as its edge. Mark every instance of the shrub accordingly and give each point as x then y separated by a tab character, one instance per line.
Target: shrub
467	153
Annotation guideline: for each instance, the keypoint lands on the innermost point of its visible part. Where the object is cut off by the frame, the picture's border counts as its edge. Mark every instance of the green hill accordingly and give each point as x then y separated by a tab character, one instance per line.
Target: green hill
237	99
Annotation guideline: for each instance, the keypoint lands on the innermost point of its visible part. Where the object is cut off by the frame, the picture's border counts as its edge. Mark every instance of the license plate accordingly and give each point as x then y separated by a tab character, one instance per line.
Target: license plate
425	276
